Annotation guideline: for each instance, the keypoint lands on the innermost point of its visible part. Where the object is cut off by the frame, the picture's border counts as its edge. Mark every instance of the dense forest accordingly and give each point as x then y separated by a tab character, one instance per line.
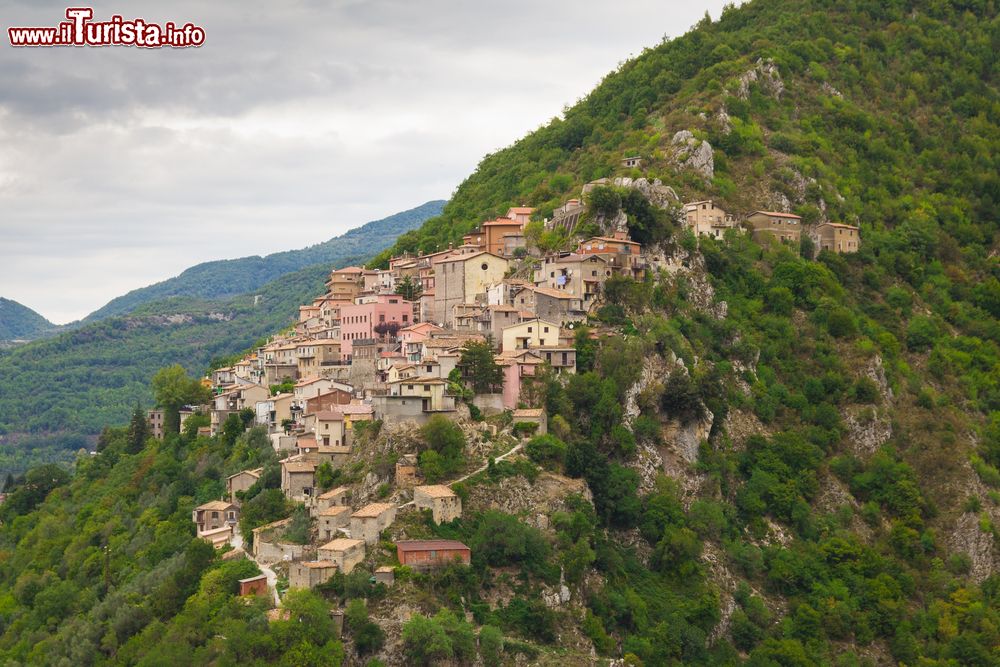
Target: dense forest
780	457
18	322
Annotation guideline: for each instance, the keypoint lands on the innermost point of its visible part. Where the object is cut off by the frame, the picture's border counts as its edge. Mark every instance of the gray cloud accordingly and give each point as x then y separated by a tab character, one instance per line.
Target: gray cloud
293	123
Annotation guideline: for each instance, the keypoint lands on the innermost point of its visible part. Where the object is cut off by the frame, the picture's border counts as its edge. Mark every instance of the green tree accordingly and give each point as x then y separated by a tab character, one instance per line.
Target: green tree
173	390
480	367
408	289
138	431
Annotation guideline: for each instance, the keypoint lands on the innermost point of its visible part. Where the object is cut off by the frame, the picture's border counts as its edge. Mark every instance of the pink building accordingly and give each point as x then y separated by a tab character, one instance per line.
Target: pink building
517	365
373	319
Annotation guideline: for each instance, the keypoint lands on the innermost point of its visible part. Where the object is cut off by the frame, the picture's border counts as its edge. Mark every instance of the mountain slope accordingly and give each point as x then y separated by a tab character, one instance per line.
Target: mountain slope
18	322
240	276
776	459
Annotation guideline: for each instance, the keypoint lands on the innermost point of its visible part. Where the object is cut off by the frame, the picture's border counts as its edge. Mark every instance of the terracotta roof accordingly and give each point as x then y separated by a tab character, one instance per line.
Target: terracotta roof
334	492
522	210
473	255
317	564
356	409
373	510
329	415
435	490
215	505
299	466
341	544
504	222
777	214
255	473
554	293
429	545
528	412
384	568
334	510
838	225
611	240
349	269
249	579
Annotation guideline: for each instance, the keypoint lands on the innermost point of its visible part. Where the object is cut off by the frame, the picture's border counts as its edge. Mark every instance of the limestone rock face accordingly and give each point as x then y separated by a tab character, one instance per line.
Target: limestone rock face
766	74
693	154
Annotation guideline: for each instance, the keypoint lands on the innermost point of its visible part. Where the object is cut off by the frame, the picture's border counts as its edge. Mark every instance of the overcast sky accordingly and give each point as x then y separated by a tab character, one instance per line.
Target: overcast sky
295	122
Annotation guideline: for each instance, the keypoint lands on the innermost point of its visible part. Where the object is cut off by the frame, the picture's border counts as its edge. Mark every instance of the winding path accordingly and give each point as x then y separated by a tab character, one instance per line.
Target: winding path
513	450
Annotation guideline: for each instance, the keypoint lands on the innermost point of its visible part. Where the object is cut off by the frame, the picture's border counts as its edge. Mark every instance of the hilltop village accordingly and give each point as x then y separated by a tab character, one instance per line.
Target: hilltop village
460	335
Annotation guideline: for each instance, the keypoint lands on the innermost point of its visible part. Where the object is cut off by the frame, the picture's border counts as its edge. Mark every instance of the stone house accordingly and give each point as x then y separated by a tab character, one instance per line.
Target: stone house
407	472
532	416
328	427
519	366
338	497
343	552
331	519
575	274
298	479
310	574
429	554
463	278
444	504
369	521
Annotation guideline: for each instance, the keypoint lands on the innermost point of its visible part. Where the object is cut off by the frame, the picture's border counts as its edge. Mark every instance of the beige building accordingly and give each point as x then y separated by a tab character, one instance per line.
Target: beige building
345	284
310	574
443	503
769	225
241	481
328	427
214	515
463	278
837	237
705	218
530	334
155	420
343	552
332	519
369	521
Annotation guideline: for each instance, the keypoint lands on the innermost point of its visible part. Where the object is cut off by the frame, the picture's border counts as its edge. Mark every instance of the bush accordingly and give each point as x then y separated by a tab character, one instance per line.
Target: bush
547	451
523	429
921	334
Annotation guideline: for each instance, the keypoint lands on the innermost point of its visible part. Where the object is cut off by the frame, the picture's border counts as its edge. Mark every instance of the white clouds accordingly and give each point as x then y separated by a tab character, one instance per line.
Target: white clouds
296	121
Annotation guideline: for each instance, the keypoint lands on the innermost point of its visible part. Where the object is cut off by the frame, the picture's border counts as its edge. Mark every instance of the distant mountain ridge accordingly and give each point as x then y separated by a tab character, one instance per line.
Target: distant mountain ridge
18	322
230	277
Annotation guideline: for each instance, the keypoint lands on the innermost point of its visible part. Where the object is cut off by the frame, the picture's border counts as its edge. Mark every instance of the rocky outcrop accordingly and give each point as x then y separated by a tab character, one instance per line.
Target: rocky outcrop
967	537
694	154
765	74
867	430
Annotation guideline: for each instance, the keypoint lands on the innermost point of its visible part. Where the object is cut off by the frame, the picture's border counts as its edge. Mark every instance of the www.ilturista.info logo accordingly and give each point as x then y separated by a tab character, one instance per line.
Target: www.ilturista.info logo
80	30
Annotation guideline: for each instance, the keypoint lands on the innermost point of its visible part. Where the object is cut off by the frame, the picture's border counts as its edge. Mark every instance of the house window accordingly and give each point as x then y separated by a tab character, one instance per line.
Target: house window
485	266
409	386
215	515
427	387
546	329
529	329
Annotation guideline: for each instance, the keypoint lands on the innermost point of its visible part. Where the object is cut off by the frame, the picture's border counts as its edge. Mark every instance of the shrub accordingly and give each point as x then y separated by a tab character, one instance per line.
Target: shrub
547	451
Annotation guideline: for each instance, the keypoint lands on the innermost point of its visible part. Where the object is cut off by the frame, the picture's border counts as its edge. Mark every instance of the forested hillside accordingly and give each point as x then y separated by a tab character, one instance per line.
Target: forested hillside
771	456
230	277
18	322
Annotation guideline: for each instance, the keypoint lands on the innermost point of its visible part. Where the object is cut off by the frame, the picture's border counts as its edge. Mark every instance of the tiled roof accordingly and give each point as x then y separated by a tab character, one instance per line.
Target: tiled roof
372	511
429	545
777	214
435	490
216	505
341	544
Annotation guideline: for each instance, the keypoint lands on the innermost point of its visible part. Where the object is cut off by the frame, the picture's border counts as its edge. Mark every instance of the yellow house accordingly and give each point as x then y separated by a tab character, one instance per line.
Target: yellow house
529	334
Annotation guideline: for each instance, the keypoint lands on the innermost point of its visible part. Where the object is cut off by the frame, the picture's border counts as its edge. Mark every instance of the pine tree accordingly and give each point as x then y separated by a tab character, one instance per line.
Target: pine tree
138	431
